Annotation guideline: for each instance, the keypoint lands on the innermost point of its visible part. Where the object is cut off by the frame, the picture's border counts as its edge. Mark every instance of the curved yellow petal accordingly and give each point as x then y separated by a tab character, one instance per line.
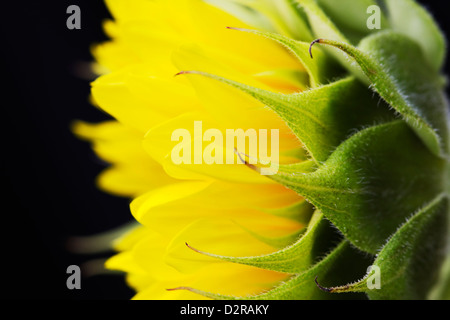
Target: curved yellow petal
172	208
133	172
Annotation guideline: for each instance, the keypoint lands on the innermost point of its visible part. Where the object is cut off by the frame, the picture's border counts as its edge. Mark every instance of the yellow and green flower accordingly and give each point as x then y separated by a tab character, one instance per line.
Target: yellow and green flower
363	127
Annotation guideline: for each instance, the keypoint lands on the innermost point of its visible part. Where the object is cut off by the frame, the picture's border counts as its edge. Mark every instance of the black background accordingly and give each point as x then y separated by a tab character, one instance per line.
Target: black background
48	175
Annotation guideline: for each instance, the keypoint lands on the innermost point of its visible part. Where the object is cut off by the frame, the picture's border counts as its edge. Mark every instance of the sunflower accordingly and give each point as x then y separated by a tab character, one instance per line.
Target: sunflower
361	144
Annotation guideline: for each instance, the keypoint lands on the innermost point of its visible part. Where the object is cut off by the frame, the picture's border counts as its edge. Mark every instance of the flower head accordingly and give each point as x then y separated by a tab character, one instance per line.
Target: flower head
356	161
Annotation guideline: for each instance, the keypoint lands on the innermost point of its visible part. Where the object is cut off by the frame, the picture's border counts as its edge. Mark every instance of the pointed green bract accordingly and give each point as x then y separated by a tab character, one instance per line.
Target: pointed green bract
399	73
371	183
295	258
321	118
411	19
410	260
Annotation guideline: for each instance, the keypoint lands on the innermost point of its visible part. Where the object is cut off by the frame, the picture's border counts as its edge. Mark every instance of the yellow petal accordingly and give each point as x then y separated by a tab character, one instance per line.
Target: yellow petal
158	143
128	240
186	202
133	172
141	206
132	181
113	95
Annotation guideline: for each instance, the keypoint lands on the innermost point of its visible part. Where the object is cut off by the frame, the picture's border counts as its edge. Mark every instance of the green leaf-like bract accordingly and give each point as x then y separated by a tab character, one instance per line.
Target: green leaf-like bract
409	262
323	117
295	258
404	83
371	183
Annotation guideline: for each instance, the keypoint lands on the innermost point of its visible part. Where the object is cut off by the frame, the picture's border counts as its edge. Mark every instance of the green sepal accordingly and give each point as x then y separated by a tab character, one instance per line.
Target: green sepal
295	258
399	73
371	183
321	118
409	262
